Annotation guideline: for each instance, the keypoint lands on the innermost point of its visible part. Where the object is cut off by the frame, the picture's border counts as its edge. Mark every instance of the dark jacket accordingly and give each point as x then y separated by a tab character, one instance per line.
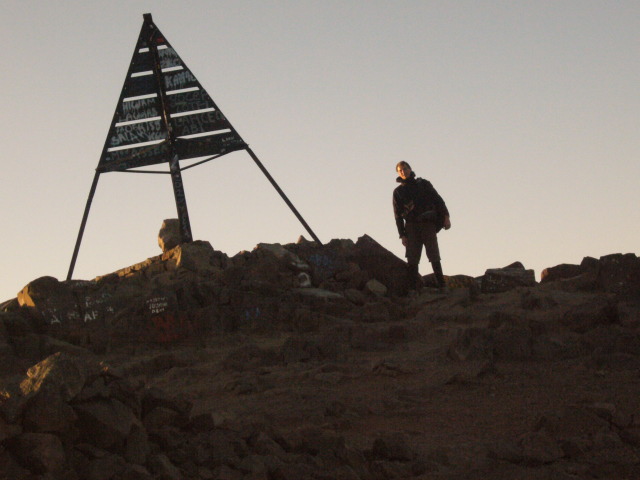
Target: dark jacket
412	198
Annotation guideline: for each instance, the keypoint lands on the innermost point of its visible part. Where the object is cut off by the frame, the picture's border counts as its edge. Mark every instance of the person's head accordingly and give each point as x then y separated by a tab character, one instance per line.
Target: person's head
403	169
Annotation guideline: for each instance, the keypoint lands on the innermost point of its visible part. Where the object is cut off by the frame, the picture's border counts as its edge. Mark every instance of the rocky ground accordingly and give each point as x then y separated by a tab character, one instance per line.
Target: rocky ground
313	362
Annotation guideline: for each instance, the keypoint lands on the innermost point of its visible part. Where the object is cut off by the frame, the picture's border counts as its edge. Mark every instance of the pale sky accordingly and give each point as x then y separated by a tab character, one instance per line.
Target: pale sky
524	115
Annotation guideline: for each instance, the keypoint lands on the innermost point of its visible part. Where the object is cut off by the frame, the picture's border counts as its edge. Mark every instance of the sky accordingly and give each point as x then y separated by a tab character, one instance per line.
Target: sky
525	116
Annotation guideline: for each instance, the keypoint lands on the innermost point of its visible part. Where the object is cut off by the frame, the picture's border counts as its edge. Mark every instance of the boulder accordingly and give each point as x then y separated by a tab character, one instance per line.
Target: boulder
105	468
162	467
375	287
51	300
60	374
325	261
498	280
137	447
197	257
284	255
392	447
559	272
620	274
539	448
105	423
381	264
48	412
40	452
472	343
169	235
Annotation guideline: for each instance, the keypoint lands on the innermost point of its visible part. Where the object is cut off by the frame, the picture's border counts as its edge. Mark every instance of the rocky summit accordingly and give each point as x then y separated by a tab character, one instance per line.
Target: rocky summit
307	361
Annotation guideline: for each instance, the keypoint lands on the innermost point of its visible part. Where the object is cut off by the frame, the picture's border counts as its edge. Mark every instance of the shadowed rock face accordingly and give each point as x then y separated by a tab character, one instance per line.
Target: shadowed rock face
306	361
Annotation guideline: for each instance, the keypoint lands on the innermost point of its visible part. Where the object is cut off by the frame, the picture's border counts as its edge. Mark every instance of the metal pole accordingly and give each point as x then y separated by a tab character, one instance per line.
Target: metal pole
82	224
181	202
174	163
284	197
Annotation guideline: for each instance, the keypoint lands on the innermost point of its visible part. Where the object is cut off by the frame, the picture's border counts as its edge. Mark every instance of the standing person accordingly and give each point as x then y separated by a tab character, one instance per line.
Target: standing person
420	214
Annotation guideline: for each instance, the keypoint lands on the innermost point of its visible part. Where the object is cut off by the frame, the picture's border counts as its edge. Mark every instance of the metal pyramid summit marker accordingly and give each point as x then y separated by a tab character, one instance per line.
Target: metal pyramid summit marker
163	111
163	116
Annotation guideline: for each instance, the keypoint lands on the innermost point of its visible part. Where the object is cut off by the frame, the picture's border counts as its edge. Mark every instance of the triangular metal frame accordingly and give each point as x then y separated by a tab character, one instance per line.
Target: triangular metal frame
165	116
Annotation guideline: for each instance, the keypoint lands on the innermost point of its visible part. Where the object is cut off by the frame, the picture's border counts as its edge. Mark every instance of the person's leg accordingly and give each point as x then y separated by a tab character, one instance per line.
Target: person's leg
430	239
437	270
413	252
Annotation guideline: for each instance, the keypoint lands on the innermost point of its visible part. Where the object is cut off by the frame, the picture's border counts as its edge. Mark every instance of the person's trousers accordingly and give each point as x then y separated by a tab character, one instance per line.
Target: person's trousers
421	234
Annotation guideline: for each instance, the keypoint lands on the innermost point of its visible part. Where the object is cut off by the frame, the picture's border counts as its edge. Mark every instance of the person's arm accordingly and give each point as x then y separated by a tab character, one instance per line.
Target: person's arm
441	207
399	219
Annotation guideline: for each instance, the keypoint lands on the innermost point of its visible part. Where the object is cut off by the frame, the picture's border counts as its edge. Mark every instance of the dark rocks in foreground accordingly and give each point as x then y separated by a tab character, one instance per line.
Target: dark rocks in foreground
66	413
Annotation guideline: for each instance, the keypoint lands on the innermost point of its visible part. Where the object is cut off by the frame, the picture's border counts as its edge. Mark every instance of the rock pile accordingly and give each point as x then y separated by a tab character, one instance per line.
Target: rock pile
306	361
73	418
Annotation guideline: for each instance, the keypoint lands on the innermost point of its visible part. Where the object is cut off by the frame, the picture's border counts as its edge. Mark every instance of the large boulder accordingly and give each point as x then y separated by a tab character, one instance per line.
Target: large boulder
498	280
559	272
381	264
49	299
620	274
61	374
325	261
197	257
169	235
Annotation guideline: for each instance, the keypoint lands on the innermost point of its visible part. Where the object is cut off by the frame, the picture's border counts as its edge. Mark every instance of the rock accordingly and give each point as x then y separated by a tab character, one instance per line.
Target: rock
472	343
355	296
37	290
299	349
284	255
375	287
560	272
513	342
293	352
136	472
598	310
498	280
556	346
304	280
620	274
137	447
223	472
154	398
572	422
325	261
105	468
319	293
539	448
381	264
60	374
392	447
8	430
169	235
41	452
203	422
47	412
105	423
628	314
51	300
160	417
265	445
161	466
197	257
10	469
461	281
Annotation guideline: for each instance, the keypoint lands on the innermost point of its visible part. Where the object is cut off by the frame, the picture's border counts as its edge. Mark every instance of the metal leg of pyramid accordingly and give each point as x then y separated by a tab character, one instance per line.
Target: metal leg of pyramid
284	197
82	225
181	201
